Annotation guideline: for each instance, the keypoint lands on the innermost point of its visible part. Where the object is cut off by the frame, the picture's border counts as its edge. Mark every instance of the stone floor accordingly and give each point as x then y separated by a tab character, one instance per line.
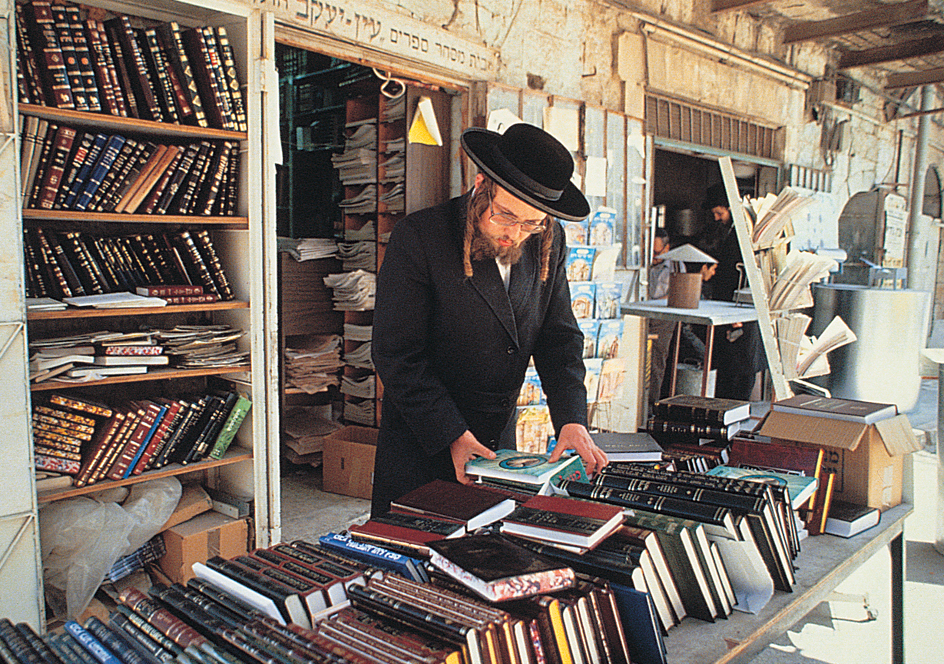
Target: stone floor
836	632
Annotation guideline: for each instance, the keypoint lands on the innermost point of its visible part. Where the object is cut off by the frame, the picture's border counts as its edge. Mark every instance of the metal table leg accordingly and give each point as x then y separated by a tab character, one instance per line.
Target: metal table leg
896	547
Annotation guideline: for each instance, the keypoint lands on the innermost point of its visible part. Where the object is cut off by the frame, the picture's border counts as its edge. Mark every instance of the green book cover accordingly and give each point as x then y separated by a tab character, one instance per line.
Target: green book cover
230	427
528	467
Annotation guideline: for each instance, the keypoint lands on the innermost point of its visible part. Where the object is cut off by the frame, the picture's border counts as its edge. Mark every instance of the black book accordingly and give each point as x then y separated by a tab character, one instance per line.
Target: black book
37	644
129	177
83	58
27	73
214	265
67	48
51	65
215	69
199	56
116	644
37	279
188	189
169	35
55	167
81	147
209	192
286	599
169	190
223	405
230	603
50	244
144	633
185	445
693	408
121	32
197	269
124	89
232	182
637	615
231	80
181	606
158	74
691	430
638	446
170	451
54	277
103	68
19	646
76	183
143	252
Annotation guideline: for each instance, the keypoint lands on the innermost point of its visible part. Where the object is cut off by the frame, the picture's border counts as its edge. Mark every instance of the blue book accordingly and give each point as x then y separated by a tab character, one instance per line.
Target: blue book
75	186
376	556
582	296
638	615
104	162
147	439
92	645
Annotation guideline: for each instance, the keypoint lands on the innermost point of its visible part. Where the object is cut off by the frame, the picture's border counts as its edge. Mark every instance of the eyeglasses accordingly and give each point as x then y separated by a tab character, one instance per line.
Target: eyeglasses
508	221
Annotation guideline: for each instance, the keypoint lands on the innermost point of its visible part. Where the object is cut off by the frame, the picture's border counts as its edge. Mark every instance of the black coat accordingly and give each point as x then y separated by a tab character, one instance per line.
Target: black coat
451	351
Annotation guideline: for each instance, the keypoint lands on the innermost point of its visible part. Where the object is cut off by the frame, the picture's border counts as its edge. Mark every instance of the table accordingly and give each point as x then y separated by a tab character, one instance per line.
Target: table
709	313
823	563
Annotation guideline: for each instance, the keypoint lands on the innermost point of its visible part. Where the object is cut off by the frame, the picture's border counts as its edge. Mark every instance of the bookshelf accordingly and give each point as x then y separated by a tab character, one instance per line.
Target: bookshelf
235	237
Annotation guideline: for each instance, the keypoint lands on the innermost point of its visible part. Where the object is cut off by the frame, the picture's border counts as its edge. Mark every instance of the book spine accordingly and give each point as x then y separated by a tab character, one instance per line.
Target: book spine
195	177
67	47
170	290
97	448
132	418
83	59
135	441
57	278
52	246
129	178
45	152
22	651
215	174
117	76
28	77
199	58
163	428
36	643
55	464
144	634
231	198
230	427
114	173
82	147
52	65
694	429
231	79
166	622
28	139
177	55
196	264
97	174
92	645
633	499
76	184
695	494
38	286
158	74
123	652
88	270
99	56
135	64
145	177
169	192
213	263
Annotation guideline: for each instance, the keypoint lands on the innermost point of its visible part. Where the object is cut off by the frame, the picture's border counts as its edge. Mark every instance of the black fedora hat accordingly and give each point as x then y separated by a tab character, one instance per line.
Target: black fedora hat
531	164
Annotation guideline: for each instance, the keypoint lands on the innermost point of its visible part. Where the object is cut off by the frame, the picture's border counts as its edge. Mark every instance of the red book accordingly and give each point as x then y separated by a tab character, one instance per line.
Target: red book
559	519
163	428
138	438
52	177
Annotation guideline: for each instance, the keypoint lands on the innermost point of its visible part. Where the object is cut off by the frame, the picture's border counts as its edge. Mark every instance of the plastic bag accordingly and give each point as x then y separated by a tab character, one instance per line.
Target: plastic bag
81	538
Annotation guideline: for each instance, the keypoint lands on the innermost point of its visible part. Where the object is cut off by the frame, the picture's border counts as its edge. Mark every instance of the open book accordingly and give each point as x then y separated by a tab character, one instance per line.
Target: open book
791	289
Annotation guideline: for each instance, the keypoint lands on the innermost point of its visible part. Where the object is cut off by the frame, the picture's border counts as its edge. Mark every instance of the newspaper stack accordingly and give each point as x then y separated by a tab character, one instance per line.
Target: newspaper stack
365	232
360	255
353	291
363	388
358	163
354	332
306	249
304	433
360	357
393	168
314	367
361	203
394	200
360	412
203	345
394	109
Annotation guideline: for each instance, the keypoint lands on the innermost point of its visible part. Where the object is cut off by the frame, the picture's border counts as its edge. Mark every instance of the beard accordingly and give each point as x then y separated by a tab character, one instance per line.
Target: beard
484	248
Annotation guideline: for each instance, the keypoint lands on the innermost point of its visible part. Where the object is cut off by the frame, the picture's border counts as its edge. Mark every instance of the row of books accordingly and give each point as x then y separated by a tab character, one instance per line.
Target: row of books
68	58
65	168
93	442
71	263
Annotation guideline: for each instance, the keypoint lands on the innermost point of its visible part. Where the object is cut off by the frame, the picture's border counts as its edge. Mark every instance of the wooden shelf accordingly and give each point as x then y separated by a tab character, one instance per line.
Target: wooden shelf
239	223
128	125
79	313
233	455
160	374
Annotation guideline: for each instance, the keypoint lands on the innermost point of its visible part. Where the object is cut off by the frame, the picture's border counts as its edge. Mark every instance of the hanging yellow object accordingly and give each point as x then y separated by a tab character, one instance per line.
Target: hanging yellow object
424	128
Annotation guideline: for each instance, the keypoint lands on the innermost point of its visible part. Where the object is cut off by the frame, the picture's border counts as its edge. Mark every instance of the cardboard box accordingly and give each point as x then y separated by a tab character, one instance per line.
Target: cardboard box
194	500
348	463
199	539
868	459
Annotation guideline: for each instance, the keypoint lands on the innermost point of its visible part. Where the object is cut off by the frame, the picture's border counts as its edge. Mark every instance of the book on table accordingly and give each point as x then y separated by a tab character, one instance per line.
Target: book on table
849	410
639	446
638	616
497	568
399	530
475	506
800	487
527	468
693	408
579	523
848	519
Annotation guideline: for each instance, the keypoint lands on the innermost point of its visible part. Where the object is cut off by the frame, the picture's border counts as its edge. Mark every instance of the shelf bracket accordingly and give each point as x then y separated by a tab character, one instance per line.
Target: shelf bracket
17	328
28	519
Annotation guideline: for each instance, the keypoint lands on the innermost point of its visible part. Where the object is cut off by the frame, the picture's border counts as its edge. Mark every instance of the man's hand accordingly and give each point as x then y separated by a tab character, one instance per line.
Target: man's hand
575	437
465	448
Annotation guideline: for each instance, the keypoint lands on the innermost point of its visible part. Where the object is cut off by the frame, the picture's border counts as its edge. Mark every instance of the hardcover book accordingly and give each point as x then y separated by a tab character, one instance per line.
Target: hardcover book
527	468
408	531
472	505
553	519
692	408
848	520
850	410
638	446
497	568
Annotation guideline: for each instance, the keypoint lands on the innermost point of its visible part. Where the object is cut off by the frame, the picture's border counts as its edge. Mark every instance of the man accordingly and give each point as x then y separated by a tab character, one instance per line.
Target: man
738	353
468	292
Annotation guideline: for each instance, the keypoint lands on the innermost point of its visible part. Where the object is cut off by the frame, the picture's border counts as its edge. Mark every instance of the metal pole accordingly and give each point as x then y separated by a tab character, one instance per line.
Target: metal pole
917	182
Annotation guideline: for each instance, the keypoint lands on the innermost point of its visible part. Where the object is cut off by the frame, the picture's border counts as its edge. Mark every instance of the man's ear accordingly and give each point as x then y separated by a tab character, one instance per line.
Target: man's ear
479	179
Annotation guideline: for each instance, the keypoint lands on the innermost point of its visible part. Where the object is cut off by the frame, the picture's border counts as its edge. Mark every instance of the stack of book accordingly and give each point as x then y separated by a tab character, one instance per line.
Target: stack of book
203	345
696	431
147	553
181	266
93	442
70	59
313	365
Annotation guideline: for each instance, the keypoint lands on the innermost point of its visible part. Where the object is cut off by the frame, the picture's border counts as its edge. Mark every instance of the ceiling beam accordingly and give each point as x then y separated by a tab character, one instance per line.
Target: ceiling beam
870	19
913	79
734	5
911	49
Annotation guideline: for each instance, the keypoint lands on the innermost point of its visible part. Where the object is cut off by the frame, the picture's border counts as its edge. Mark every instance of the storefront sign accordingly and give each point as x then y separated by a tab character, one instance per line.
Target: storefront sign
388	32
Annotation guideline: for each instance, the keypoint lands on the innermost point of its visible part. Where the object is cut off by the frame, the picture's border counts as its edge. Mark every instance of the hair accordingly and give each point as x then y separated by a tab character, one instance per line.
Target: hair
661	232
478	204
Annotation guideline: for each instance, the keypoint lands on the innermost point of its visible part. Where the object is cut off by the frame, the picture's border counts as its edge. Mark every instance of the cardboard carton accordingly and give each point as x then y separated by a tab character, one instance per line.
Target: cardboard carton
348	462
199	539
194	500
868	459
